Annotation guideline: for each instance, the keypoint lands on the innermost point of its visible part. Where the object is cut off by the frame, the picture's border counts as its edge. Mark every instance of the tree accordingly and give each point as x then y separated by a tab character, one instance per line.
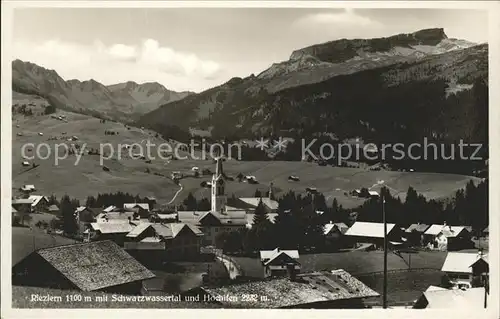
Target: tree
364	193
50	109
257	193
16	220
260	215
91	201
68	215
204	204
240	177
190	202
53	200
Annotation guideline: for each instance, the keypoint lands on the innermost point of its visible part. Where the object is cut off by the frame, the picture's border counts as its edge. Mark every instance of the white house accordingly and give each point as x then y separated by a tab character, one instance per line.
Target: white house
39	203
446	237
459	266
277	262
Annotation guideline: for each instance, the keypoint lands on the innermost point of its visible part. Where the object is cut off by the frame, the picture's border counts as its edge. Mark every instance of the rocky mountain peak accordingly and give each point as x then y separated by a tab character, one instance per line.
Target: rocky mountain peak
339	51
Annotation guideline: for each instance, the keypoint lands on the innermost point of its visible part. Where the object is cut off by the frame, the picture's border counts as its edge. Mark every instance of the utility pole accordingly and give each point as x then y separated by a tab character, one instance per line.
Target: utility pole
384	300
486	290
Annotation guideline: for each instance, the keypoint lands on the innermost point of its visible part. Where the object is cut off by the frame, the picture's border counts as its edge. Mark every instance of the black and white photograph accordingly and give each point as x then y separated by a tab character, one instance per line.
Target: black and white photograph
259	157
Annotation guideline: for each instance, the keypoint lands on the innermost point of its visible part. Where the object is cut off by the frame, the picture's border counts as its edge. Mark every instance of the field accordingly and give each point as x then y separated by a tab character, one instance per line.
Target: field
356	262
25	241
402	287
130	175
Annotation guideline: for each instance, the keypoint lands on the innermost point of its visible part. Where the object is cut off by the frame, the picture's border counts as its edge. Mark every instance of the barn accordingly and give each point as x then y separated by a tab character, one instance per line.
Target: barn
372	233
97	266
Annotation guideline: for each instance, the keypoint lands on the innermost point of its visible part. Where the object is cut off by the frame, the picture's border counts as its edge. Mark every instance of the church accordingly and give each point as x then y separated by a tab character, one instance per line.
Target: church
222	217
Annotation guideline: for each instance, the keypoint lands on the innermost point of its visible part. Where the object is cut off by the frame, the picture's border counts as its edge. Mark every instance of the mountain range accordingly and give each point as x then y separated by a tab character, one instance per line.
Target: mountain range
123	101
403	87
406	86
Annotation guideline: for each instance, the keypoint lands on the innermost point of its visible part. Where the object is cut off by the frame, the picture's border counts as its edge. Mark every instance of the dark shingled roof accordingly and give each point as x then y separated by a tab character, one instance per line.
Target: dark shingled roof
95	265
282	292
420	228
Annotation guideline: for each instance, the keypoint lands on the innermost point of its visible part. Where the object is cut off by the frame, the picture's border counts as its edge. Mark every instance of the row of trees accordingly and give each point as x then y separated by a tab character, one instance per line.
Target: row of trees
467	207
117	199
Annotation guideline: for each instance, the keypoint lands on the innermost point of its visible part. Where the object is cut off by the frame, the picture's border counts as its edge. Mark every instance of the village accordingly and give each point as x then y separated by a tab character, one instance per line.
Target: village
227	254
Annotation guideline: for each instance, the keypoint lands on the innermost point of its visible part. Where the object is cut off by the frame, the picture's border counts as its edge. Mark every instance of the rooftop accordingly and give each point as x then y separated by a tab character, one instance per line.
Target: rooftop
366	229
420	228
112	228
136	205
36	199
95	265
24	201
455	298
230	217
271	254
460	262
448	231
340	226
254	201
308	288
170	230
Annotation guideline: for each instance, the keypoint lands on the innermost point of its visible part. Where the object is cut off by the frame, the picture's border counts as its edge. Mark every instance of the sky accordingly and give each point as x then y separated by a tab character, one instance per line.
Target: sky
196	49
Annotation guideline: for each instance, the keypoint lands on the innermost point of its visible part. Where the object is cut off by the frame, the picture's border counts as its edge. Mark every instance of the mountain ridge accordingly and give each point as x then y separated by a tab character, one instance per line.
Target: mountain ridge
273	101
116	101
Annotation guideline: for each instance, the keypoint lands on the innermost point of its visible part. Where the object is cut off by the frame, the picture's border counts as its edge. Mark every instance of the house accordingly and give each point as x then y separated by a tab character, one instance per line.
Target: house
372	233
452	299
213	223
109	209
276	262
39	203
84	216
365	193
373	194
53	209
415	234
335	227
115	231
22	205
486	232
141	208
321	290
163	217
173	240
98	266
151	201
465	266
446	237
117	216
334	233
28	188
250	204
480	269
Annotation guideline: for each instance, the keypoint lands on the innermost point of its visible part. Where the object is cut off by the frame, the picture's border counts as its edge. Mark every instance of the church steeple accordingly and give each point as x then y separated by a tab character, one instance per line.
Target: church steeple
219	198
218	169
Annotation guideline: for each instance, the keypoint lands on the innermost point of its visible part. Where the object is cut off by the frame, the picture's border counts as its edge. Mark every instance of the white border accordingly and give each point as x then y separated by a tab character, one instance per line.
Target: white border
6	165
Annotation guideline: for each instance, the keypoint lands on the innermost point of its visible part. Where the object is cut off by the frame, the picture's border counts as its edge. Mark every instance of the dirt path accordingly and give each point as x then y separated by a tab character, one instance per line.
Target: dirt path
230	266
175	196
